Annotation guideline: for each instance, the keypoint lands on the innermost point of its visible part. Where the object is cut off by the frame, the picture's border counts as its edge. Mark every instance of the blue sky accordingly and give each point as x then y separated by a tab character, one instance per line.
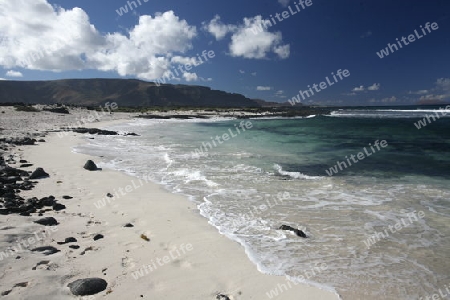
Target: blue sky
90	39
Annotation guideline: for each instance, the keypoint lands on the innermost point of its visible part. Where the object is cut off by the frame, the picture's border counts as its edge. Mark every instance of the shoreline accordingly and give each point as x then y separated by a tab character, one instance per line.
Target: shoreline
172	223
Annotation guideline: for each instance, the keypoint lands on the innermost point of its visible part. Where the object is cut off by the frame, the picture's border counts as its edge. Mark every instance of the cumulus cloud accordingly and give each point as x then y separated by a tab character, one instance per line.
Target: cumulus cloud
190	76
242	71
440	91
374	87
250	39
45	37
359	89
12	73
250	42
263	88
218	29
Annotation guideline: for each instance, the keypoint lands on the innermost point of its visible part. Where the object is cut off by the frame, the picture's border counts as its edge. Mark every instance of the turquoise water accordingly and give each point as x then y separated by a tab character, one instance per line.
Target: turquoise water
275	173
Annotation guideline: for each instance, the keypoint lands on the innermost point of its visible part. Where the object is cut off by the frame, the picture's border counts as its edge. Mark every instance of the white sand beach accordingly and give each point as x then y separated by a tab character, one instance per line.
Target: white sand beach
184	258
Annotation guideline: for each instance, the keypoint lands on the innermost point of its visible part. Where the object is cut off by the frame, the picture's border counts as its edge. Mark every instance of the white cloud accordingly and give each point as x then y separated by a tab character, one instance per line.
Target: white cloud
249	39
359	89
283	51
218	29
391	99
2	78
374	87
419	92
45	37
263	88
241	71
254	74
190	76
284	3
12	73
441	91
250	42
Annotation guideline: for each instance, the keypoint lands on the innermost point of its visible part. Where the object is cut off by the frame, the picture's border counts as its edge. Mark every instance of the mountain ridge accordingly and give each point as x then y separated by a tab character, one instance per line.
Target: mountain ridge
126	92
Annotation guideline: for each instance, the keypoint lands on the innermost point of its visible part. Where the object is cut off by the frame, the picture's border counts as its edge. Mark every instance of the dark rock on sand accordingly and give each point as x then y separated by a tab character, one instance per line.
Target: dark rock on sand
58	207
48	221
128	225
222	297
109	195
47	250
39	173
74	246
67	197
48	201
18	141
90	165
298	232
94	131
25	165
68	240
98	236
87	286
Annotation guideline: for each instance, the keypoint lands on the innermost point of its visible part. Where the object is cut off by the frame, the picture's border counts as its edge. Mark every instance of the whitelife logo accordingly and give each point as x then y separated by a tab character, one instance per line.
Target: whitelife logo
411	38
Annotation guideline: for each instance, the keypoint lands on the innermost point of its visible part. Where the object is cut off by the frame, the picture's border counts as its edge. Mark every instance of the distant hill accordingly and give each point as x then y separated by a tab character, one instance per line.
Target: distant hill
126	92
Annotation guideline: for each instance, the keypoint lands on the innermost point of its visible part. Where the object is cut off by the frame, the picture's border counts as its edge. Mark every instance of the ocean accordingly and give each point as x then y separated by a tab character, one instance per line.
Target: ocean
379	223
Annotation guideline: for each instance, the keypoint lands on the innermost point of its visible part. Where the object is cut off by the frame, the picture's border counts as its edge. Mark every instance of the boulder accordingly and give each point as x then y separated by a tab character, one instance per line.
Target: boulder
90	165
39	173
48	221
47	250
298	232
98	236
87	286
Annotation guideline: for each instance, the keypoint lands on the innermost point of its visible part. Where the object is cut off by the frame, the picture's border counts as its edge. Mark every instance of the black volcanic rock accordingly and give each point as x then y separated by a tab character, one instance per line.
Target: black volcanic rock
90	165
87	286
298	232
48	221
39	173
47	250
94	131
98	236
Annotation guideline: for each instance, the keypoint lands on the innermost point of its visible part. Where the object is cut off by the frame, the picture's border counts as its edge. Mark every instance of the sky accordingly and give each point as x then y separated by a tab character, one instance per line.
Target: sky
266	49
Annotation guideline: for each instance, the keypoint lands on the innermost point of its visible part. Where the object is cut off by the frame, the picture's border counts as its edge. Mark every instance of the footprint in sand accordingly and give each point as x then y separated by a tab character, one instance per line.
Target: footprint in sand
128	262
182	264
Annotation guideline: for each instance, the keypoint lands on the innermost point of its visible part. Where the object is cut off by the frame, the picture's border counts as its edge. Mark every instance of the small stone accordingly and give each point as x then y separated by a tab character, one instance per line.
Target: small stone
74	247
48	221
109	195
46	250
128	225
58	206
98	236
87	286
67	197
90	165
39	173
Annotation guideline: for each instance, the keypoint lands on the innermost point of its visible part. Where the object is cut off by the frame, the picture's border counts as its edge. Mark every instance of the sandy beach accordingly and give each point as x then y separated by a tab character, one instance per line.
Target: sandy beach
145	242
